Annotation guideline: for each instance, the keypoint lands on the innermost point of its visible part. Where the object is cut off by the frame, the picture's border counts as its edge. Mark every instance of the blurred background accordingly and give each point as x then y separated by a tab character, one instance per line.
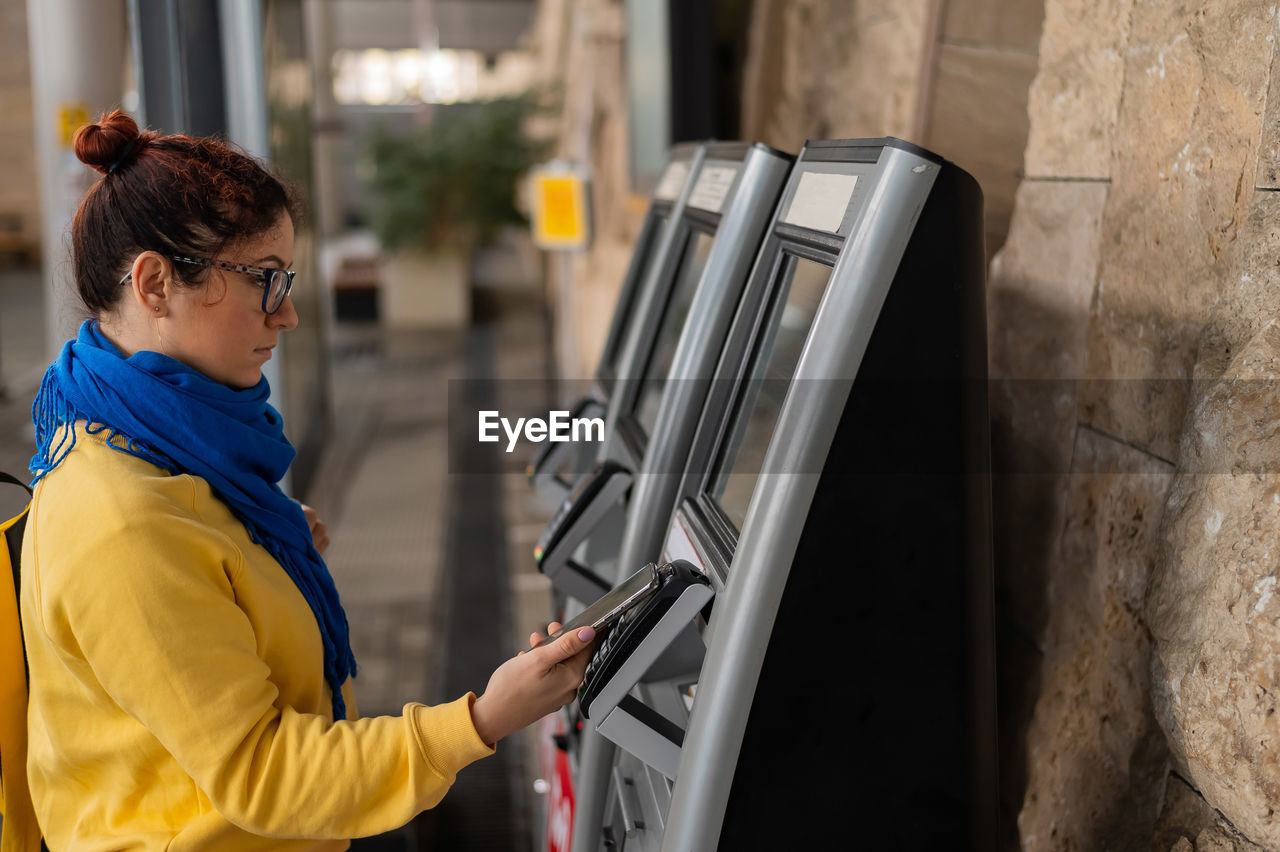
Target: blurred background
1118	142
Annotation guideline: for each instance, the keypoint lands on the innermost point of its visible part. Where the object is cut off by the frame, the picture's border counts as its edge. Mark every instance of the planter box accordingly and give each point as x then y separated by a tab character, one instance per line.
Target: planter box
422	289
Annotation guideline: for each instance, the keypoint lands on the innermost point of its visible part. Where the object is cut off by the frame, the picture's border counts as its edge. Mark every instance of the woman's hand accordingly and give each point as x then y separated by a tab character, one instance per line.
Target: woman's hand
529	686
319	532
535	637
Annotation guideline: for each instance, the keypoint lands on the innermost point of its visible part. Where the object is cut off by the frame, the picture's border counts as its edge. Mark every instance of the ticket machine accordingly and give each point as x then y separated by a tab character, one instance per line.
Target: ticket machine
820	671
675	337
557	465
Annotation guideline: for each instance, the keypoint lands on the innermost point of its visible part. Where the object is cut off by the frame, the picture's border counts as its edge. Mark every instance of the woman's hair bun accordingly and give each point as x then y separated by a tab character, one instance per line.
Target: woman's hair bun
104	145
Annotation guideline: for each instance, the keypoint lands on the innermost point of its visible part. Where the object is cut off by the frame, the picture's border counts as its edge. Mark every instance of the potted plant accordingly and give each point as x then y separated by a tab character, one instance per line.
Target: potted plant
438	193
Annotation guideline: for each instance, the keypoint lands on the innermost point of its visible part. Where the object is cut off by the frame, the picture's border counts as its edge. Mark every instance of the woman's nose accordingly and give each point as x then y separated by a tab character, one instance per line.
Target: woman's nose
286	317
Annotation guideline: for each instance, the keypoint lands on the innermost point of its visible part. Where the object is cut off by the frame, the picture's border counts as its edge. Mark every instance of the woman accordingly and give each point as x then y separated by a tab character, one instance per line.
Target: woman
188	652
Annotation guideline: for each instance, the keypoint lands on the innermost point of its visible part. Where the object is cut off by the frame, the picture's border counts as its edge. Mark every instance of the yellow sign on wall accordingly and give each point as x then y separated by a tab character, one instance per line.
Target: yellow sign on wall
561	214
71	117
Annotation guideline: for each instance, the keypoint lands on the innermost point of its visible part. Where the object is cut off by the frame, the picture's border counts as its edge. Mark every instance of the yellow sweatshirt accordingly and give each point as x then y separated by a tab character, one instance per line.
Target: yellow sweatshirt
178	699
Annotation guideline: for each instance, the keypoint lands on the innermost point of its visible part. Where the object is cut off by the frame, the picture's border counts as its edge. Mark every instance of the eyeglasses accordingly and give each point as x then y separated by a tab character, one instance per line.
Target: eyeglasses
275	283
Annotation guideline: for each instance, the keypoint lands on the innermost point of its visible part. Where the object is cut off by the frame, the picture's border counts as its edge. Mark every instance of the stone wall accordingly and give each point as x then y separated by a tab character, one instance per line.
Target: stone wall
19	194
1136	510
976	99
951	76
827	69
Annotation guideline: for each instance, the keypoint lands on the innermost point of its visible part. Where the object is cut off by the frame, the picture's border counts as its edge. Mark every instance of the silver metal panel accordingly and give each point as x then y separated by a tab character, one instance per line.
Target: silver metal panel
748	214
761	168
659	788
600	551
647	303
675	177
637	738
590	799
738	635
614	488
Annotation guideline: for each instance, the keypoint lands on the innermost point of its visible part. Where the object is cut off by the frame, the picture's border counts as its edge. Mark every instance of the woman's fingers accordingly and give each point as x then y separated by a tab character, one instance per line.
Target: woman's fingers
319	532
568	646
536	638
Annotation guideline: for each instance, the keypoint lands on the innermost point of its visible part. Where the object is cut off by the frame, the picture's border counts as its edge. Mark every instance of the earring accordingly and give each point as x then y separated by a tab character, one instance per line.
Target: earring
157	307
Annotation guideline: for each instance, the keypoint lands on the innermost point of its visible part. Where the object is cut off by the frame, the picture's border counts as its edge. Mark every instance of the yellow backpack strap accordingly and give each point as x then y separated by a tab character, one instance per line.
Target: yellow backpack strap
19	831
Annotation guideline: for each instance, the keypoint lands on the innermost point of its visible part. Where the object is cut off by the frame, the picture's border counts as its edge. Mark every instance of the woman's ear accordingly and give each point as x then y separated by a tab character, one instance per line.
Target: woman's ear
152	280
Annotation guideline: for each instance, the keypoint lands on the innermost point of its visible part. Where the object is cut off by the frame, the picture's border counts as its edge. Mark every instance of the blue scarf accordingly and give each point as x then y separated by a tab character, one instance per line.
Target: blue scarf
184	422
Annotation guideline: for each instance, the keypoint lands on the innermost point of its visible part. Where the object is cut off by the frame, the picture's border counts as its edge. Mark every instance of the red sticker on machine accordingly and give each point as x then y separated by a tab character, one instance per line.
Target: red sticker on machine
555	769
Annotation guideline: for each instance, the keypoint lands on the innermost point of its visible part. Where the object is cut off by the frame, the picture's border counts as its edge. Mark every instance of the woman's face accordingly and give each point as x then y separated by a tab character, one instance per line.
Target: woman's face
220	328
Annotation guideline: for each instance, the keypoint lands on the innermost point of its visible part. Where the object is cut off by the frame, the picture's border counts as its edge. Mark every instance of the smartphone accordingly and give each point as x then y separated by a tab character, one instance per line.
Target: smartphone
632	591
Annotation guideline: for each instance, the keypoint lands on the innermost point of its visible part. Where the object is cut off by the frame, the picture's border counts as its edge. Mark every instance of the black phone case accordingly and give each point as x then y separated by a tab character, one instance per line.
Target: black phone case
626	634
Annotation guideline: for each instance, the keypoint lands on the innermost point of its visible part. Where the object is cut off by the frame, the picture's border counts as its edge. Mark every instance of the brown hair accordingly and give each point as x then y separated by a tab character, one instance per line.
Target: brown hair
174	195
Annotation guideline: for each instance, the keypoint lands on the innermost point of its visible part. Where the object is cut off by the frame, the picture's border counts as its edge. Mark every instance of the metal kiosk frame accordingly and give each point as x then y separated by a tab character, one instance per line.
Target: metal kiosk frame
680	323
847	688
546	471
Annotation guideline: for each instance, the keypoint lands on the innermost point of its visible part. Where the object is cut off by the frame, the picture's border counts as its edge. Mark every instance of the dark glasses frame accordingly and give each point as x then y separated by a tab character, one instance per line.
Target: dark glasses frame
275	283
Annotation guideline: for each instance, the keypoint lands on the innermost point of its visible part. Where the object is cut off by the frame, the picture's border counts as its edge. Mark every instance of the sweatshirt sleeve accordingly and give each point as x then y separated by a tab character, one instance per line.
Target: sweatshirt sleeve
149	606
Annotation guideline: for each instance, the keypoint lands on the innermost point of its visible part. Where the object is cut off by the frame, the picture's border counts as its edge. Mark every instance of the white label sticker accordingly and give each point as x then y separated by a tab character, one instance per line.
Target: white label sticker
820	201
714	183
672	181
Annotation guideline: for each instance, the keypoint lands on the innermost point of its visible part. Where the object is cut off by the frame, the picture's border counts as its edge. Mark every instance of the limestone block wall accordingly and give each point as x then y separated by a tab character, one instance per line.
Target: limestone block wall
19	194
827	69
1132	342
974	102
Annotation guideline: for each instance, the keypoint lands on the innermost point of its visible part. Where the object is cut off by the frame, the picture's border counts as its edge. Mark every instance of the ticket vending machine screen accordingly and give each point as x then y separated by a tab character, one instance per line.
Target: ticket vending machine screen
655	375
629	299
775	362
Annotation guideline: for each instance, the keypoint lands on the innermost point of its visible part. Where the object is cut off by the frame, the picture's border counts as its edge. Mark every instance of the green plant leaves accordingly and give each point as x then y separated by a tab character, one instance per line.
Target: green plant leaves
454	180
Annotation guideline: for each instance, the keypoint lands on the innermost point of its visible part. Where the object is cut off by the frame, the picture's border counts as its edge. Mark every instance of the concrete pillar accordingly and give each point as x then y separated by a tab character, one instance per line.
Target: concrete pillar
326	122
244	75
77	73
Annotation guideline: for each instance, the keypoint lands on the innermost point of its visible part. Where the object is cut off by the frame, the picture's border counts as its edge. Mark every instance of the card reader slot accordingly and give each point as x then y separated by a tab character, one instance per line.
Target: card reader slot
601	492
645	635
557	466
656	638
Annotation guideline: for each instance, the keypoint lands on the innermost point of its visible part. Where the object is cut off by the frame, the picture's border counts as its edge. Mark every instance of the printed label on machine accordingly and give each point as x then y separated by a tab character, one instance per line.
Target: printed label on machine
820	201
712	188
672	181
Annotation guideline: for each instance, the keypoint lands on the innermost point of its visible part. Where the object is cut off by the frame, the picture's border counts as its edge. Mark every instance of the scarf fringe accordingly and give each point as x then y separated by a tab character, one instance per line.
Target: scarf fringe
54	418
